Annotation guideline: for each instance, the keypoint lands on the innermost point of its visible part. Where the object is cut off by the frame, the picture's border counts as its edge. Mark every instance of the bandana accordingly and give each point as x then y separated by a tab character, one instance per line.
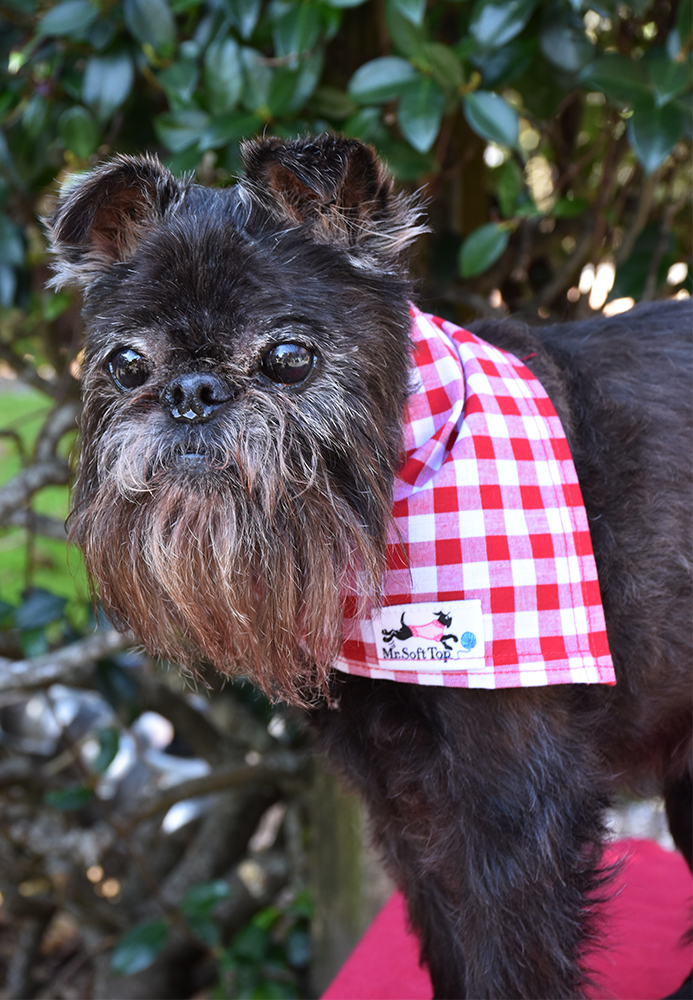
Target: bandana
491	580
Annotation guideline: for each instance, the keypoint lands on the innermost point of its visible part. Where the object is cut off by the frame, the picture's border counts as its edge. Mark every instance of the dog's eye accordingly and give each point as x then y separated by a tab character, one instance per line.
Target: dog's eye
128	369
288	364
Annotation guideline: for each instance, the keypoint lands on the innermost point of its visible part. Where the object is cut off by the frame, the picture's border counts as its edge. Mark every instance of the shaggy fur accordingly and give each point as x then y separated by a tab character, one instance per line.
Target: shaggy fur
227	514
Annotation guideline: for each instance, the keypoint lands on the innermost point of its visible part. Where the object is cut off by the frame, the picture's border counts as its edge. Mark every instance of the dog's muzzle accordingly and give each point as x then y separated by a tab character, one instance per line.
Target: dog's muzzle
195	397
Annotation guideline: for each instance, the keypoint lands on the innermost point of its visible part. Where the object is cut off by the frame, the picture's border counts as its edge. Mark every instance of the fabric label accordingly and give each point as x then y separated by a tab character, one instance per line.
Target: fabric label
425	636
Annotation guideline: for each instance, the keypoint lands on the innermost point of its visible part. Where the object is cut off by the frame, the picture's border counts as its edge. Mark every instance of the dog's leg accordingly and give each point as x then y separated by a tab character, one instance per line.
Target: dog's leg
678	795
484	803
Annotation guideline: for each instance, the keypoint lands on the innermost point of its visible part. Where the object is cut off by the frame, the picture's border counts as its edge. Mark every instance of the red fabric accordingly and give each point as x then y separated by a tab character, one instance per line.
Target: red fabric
640	957
489	532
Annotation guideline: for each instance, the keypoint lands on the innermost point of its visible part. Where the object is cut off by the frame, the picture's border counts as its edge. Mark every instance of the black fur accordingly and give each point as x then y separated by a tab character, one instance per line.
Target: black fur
488	805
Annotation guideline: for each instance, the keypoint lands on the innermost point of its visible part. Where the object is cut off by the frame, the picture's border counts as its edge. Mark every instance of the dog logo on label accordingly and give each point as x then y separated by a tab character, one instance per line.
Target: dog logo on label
433	630
425	635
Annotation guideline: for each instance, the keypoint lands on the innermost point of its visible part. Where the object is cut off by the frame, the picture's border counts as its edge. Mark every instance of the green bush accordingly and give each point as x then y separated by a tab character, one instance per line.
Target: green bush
560	126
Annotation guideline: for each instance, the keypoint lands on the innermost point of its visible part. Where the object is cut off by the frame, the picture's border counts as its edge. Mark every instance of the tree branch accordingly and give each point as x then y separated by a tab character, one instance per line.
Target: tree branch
40	671
16	493
27	373
273	769
58	422
564	275
39	524
190	724
640	220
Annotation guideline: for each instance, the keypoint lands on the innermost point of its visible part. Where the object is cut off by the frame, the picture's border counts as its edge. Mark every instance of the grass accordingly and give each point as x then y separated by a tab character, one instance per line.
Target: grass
44	562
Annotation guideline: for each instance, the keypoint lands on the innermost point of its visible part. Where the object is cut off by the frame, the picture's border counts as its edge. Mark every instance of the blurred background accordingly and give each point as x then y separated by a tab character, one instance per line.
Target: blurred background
158	840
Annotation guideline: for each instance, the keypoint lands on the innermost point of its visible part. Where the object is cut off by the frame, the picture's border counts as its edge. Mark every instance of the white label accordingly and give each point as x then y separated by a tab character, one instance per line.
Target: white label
430	636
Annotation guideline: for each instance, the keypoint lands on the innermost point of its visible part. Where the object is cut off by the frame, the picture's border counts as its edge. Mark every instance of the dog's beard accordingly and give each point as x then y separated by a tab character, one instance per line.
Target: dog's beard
238	545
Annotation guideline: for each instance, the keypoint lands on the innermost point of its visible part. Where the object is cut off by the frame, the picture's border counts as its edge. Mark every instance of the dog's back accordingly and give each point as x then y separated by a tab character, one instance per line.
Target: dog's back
622	387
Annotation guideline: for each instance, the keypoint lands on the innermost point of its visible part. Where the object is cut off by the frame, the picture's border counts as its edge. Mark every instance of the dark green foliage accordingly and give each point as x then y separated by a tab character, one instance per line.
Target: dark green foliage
190	78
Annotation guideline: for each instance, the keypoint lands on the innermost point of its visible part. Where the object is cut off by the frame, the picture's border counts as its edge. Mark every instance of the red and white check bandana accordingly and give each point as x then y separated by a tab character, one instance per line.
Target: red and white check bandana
491	579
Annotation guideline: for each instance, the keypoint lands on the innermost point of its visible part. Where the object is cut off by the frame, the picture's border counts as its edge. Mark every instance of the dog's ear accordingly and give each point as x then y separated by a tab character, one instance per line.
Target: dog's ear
339	189
102	217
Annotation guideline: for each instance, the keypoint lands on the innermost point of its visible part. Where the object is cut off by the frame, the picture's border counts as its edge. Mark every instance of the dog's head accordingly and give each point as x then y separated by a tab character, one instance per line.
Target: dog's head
246	368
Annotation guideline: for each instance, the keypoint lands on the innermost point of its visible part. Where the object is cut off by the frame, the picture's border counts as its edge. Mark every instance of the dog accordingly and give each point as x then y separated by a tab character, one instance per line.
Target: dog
247	371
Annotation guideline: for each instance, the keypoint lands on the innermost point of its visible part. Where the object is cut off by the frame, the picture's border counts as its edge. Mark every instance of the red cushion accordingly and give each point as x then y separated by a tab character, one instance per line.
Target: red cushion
641	957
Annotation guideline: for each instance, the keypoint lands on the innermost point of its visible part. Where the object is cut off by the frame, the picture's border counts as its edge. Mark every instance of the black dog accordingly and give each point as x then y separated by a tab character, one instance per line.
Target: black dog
247	368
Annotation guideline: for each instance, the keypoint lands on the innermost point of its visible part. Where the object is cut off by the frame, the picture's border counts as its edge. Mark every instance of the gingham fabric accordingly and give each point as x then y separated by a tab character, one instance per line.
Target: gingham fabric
490	540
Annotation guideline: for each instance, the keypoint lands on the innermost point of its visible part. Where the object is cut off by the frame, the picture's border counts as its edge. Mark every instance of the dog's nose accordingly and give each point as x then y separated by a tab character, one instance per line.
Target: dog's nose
195	396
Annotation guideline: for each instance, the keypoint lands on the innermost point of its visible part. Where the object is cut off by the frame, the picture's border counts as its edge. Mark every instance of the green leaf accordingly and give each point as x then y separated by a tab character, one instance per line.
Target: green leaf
420	113
200	900
494	24
302	905
138	949
272	989
179	130
367	126
229	128
509	187
35	115
245	14
251	943
482	248
344	3
116	686
55	304
670	78
79	131
491	117
501	66
107	82
185	162
621	79
407	38
444	64
180	80
206	929
257	78
564	43
109	743
8	285
684	106
298	948
151	22
684	19
223	75
333	103
266	918
12	255
69	798
412	10
39	608
307	79
34	642
72	18
280	99
101	34
405	162
296	32
381	80
569	208
653	132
